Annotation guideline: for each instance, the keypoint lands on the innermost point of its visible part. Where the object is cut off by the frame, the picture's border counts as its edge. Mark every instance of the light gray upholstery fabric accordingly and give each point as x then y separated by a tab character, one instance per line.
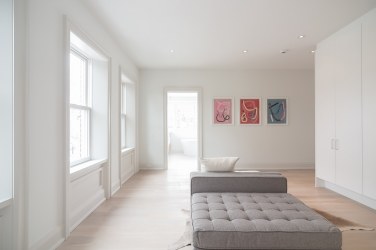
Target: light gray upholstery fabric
259	221
238	182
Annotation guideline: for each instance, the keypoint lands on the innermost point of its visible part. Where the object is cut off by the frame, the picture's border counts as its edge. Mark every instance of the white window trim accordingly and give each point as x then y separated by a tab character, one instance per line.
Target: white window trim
86	107
126	151
123	87
123	114
85	168
6	203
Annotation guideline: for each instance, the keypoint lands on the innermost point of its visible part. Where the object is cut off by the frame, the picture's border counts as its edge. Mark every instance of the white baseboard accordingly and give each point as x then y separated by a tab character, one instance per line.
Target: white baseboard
253	166
126	177
80	213
50	241
151	168
57	244
115	187
348	193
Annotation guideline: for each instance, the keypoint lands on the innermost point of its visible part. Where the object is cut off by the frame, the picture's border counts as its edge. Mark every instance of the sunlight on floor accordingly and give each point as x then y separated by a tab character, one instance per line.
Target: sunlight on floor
182	162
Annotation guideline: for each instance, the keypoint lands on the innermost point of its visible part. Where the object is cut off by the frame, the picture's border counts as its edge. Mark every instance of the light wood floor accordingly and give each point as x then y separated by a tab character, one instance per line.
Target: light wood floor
145	214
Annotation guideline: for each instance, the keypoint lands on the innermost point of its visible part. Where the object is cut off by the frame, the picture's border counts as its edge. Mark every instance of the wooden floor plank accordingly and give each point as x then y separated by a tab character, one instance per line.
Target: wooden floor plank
145	214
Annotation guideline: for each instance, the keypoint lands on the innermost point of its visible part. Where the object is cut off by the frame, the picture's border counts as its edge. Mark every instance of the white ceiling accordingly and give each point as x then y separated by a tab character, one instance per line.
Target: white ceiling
207	34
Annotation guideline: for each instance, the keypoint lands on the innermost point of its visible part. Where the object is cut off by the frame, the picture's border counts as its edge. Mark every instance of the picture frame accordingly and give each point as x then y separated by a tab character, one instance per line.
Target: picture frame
223	111
250	109
277	111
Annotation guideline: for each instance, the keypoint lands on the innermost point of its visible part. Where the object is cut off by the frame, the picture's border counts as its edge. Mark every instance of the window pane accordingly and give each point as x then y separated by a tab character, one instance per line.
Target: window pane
78	66
123	117
124	98
79	135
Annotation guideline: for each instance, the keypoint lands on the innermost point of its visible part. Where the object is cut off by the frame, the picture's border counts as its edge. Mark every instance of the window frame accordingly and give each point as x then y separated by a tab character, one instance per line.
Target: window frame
123	115
87	107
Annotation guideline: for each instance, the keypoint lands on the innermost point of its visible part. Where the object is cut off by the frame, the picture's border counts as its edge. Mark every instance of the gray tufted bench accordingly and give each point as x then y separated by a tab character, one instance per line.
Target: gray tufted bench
268	218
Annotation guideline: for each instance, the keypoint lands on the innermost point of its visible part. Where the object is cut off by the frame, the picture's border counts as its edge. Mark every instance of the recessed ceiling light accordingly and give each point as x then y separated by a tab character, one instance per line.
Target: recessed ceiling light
245	51
301	36
172	51
313	51
284	51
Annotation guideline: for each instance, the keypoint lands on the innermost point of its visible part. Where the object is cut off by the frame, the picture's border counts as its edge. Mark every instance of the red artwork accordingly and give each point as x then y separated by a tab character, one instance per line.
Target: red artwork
250	111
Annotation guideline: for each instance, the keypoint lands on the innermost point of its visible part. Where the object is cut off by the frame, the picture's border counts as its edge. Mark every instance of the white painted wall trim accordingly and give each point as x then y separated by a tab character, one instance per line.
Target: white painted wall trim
123	78
86	209
151	168
6	203
127	177
127	151
67	126
86	168
198	90
115	187
346	192
127	165
108	172
93	196
50	241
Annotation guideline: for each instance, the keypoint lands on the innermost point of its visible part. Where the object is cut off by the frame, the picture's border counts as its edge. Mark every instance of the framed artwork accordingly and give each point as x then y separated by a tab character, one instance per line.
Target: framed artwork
276	111
223	111
249	111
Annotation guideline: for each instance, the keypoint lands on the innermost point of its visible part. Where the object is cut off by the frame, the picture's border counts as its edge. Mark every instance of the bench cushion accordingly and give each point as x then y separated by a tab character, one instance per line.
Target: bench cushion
259	221
237	182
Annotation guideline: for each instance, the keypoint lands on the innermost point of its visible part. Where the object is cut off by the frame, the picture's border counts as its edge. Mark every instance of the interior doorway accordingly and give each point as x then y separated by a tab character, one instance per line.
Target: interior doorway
183	130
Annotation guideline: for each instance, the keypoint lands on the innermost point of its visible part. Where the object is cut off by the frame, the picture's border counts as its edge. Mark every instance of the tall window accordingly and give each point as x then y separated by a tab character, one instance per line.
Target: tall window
123	113
80	108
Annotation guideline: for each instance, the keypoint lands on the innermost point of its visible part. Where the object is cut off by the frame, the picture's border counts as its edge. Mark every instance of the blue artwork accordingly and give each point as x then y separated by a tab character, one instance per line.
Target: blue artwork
277	111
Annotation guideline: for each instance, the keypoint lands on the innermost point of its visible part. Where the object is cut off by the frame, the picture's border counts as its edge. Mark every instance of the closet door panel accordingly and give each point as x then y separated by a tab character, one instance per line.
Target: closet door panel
369	104
349	108
324	112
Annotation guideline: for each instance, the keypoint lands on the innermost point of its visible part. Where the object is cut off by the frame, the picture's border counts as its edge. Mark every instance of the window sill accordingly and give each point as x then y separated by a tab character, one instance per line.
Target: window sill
126	151
85	168
5	203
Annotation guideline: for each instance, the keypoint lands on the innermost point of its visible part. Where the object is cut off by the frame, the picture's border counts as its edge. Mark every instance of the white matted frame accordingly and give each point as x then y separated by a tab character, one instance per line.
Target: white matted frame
222	111
276	111
246	113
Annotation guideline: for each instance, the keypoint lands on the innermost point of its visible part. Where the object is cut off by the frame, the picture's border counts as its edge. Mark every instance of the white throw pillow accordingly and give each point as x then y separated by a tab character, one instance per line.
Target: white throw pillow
219	164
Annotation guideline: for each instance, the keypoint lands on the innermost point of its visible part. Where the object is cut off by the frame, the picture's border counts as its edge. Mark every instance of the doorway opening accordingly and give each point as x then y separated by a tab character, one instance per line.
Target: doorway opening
182	130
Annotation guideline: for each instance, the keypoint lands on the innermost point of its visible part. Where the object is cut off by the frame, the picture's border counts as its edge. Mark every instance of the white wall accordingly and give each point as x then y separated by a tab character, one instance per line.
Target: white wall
6	99
20	179
6	126
264	146
45	110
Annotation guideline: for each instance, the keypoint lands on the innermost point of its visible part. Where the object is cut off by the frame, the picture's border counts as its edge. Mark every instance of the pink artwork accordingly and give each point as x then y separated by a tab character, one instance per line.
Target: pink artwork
222	111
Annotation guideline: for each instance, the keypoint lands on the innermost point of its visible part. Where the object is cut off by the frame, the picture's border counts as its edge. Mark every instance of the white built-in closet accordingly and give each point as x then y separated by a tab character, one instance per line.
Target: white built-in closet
345	87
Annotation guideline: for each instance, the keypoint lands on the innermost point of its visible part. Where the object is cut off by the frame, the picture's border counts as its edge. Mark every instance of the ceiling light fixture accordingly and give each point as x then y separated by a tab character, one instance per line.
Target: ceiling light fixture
245	51
301	36
284	51
172	51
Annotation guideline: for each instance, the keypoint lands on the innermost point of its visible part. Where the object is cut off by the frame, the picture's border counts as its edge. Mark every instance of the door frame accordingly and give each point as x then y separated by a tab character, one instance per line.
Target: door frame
197	90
